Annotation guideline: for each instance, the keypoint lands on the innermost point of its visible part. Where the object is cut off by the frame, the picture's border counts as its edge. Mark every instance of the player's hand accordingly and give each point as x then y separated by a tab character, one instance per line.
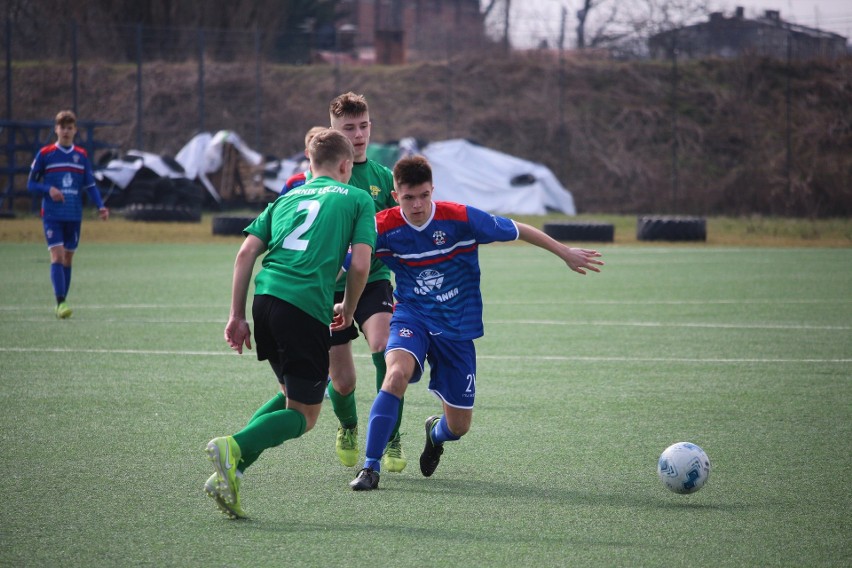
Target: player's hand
340	320
103	213
56	195
579	260
237	334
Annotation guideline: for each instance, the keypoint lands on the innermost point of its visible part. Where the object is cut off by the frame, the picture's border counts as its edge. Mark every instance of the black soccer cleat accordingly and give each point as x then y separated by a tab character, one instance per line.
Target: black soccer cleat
367	480
432	452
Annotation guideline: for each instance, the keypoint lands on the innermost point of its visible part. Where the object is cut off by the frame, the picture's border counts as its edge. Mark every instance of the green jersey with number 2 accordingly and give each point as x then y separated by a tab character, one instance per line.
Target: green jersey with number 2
307	232
377	181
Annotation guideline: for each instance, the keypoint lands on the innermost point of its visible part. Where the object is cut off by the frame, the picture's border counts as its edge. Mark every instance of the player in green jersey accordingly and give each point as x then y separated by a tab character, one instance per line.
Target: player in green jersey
305	234
350	114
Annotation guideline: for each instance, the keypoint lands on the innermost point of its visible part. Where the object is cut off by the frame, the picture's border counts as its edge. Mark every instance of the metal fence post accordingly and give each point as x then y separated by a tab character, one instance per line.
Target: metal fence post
139	86
561	132
674	173
450	114
258	102
74	65
8	42
789	125
200	79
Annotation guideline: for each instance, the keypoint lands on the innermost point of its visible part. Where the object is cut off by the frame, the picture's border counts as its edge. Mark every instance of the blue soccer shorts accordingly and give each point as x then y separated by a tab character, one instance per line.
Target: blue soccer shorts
62	233
452	362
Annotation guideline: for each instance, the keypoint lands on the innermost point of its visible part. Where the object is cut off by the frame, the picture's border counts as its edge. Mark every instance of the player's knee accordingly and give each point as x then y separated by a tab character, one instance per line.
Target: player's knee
309	424
343	383
396	380
310	419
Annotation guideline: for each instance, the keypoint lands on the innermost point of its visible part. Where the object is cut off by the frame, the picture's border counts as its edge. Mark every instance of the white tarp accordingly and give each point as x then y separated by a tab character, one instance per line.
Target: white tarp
276	174
481	177
200	156
121	172
203	155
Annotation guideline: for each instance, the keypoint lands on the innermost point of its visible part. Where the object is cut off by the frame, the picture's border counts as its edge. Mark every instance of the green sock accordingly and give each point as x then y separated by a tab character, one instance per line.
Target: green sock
381	371
344	407
277	402
267	431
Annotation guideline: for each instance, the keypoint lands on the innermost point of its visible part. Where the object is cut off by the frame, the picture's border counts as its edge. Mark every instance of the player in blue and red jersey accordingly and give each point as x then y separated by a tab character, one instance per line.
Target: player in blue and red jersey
60	173
432	249
300	178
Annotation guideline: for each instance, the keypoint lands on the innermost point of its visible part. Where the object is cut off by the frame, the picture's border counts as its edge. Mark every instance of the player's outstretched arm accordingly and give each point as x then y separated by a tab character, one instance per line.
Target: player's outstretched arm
237	332
579	260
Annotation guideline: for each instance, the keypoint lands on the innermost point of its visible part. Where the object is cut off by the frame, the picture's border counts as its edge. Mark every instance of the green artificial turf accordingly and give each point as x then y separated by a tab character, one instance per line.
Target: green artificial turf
582	382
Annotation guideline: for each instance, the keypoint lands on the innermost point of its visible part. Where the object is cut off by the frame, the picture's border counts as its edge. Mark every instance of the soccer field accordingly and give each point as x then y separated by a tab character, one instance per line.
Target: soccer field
582	382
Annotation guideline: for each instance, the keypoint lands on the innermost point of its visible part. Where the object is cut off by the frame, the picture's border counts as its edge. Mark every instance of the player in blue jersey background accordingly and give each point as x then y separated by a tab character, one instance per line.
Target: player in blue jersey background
432	249
300	178
59	175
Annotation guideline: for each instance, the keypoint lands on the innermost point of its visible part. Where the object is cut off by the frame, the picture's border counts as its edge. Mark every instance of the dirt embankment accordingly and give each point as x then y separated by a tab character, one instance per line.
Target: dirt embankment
720	137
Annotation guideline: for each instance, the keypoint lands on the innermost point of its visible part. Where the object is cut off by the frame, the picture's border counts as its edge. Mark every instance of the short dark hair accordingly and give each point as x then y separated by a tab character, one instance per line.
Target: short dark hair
412	170
66	117
313	131
348	105
329	147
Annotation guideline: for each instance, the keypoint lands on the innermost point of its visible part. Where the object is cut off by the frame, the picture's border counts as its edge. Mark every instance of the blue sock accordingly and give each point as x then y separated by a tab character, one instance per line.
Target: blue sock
67	271
383	415
441	432
57	277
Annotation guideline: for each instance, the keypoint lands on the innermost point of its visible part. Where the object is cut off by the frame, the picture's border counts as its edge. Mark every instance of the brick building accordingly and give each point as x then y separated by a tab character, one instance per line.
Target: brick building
767	36
397	31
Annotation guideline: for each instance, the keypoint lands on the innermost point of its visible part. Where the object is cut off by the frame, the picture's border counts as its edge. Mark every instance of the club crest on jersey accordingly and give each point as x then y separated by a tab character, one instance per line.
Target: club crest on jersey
427	281
76	159
439	238
405	332
375	191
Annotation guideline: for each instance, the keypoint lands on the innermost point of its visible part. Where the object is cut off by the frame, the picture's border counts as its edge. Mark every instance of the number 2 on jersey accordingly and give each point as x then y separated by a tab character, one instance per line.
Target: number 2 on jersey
292	241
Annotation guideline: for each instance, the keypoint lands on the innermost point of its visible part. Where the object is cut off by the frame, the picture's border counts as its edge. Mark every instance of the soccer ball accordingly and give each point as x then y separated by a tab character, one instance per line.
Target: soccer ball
683	467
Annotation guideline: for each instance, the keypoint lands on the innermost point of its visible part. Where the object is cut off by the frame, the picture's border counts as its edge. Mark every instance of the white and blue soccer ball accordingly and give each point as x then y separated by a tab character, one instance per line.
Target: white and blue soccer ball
683	467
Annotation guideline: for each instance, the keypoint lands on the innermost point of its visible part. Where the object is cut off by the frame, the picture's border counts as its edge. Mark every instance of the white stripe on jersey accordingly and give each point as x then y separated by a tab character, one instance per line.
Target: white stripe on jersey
430	253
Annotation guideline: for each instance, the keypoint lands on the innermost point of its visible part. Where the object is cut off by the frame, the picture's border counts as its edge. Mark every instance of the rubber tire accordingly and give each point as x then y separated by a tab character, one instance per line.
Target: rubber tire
671	229
159	212
597	232
230	225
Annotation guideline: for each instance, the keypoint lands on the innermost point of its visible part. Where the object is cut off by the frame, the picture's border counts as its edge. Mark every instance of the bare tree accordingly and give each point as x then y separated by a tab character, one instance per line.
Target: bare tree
628	25
603	31
649	17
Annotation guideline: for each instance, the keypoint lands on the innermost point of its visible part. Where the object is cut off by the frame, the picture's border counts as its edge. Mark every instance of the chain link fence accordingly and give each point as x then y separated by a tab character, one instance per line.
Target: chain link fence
673	135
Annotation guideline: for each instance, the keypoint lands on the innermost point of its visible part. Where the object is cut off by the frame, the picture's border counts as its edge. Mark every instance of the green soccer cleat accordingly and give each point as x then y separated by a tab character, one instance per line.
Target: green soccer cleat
393	459
211	488
224	453
63	311
347	445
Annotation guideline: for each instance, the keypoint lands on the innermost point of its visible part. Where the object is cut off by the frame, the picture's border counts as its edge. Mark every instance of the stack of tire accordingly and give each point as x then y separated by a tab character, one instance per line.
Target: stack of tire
230	225
163	199
671	229
579	232
151	196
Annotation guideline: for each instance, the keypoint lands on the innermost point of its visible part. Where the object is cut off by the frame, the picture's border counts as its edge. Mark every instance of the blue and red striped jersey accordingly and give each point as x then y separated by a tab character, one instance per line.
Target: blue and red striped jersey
69	171
295	180
436	265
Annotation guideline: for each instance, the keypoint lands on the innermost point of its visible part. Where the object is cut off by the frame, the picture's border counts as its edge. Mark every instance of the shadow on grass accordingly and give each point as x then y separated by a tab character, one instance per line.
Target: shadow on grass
627	497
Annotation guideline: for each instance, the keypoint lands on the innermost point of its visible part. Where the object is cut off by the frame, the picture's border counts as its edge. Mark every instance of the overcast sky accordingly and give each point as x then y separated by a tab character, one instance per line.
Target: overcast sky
534	20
